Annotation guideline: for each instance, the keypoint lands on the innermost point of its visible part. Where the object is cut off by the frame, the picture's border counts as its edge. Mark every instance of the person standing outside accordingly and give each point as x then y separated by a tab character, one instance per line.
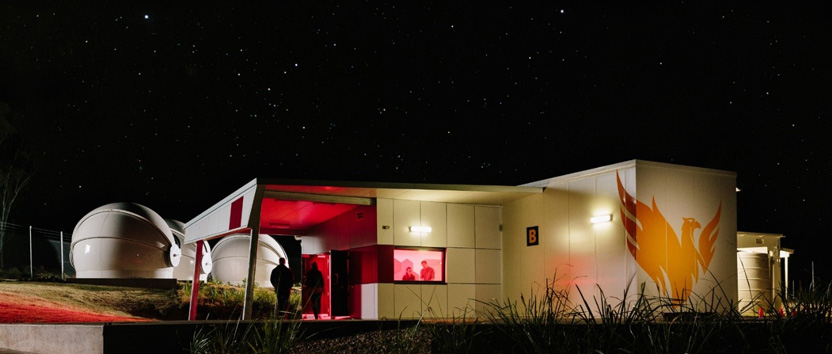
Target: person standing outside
282	279
315	283
427	272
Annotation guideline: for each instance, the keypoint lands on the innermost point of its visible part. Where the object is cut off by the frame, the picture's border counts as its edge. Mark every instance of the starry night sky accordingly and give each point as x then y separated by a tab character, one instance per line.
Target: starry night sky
174	106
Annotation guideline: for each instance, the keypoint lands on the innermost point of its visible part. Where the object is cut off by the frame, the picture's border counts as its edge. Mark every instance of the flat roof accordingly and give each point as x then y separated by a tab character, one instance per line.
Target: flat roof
622	165
447	193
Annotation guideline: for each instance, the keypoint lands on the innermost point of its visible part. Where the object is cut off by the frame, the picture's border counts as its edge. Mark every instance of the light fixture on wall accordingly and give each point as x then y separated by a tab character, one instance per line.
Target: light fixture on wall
597	219
422	229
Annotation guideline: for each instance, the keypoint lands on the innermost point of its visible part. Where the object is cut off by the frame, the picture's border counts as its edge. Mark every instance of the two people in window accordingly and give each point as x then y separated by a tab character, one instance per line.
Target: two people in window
427	273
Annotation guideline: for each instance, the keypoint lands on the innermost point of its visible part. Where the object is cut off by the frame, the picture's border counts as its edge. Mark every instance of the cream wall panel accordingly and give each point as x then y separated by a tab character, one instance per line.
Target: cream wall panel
488	294
386	301
461	225
582	251
488	220
435	301
369	301
460	265
611	244
723	261
628	180
384	215
407	300
461	300
555	236
406	213
435	216
489	267
522	265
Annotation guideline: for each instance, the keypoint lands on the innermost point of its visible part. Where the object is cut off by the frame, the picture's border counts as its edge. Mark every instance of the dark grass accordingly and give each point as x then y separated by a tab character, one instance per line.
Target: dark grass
551	323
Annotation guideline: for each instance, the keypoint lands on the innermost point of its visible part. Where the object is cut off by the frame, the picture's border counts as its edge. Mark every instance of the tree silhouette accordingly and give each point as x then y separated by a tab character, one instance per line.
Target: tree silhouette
15	173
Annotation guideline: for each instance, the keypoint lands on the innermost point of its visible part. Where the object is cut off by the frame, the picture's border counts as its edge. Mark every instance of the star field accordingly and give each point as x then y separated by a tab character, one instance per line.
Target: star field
174	106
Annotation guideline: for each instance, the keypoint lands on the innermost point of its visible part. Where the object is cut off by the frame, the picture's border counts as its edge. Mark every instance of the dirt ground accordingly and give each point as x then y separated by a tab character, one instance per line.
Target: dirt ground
33	302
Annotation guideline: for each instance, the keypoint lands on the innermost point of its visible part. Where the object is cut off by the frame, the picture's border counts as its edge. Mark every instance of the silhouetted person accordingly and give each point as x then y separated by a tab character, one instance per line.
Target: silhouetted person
409	275
427	272
315	283
282	280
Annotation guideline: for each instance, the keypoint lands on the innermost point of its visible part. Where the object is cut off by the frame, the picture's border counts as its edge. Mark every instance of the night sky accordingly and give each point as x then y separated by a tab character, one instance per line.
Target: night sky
174	106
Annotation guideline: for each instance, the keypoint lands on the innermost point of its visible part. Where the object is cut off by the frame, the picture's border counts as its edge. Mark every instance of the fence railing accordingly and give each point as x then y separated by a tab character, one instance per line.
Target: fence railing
28	252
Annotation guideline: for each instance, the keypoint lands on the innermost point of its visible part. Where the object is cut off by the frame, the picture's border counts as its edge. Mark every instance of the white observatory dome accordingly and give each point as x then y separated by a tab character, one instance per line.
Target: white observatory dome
230	257
185	269
123	240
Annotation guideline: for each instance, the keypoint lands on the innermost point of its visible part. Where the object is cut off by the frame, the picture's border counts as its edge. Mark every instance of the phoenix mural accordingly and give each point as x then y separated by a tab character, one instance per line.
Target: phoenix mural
674	263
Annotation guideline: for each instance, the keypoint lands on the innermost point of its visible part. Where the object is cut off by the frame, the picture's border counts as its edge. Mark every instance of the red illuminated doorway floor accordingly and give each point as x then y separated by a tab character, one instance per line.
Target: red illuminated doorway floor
308	316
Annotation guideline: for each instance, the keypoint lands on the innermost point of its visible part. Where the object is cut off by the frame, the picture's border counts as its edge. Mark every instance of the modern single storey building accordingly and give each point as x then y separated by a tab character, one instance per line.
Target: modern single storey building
408	250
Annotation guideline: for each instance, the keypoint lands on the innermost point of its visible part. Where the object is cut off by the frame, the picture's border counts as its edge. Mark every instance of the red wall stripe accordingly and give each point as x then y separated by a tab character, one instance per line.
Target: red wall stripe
236	218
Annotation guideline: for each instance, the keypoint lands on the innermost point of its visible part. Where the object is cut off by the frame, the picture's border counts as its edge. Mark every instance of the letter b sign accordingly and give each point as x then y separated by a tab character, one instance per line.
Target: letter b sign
532	236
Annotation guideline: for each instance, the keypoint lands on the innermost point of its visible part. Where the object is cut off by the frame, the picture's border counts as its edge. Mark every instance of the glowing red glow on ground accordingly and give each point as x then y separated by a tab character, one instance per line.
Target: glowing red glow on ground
19	309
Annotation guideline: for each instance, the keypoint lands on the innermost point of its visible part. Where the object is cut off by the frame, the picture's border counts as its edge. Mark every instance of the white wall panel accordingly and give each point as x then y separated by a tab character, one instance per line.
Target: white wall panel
369	301
406	213
386	301
384	213
435	301
312	245
554	234
582	251
460	265
461	225
522	264
487	294
435	216
628	180
461	300
611	243
407	300
488	220
489	266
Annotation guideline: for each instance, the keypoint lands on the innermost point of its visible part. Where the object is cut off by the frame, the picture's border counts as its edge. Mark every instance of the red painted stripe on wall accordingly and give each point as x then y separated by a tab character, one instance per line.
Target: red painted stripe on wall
236	218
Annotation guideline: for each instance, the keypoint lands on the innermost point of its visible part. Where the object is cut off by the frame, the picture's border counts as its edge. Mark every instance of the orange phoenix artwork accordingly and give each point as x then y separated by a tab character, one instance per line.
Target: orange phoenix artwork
674	263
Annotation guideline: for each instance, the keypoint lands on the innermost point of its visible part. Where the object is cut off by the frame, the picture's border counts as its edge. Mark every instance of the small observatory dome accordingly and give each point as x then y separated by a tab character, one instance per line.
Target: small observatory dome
230	257
185	269
123	240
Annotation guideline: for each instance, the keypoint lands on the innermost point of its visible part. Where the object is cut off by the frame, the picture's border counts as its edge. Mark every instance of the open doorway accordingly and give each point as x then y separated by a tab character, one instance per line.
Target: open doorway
322	262
335	297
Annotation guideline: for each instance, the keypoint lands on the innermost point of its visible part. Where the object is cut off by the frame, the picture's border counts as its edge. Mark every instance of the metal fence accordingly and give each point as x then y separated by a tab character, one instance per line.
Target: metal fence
29	252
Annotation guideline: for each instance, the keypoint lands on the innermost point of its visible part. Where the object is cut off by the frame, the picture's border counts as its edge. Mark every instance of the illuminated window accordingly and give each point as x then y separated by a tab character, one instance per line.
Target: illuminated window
419	265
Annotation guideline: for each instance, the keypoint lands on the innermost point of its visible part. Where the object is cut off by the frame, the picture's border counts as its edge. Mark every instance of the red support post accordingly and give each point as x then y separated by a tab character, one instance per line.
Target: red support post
195	286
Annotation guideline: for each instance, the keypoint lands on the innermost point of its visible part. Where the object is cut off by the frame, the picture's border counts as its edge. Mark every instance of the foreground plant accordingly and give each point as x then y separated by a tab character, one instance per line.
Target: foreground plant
273	336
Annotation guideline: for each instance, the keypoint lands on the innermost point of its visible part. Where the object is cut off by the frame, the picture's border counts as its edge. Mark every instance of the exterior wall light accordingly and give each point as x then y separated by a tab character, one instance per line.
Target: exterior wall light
422	229
600	218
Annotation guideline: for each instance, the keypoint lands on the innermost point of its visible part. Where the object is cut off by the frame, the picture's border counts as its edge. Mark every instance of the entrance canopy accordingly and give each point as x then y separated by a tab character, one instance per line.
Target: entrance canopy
291	206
